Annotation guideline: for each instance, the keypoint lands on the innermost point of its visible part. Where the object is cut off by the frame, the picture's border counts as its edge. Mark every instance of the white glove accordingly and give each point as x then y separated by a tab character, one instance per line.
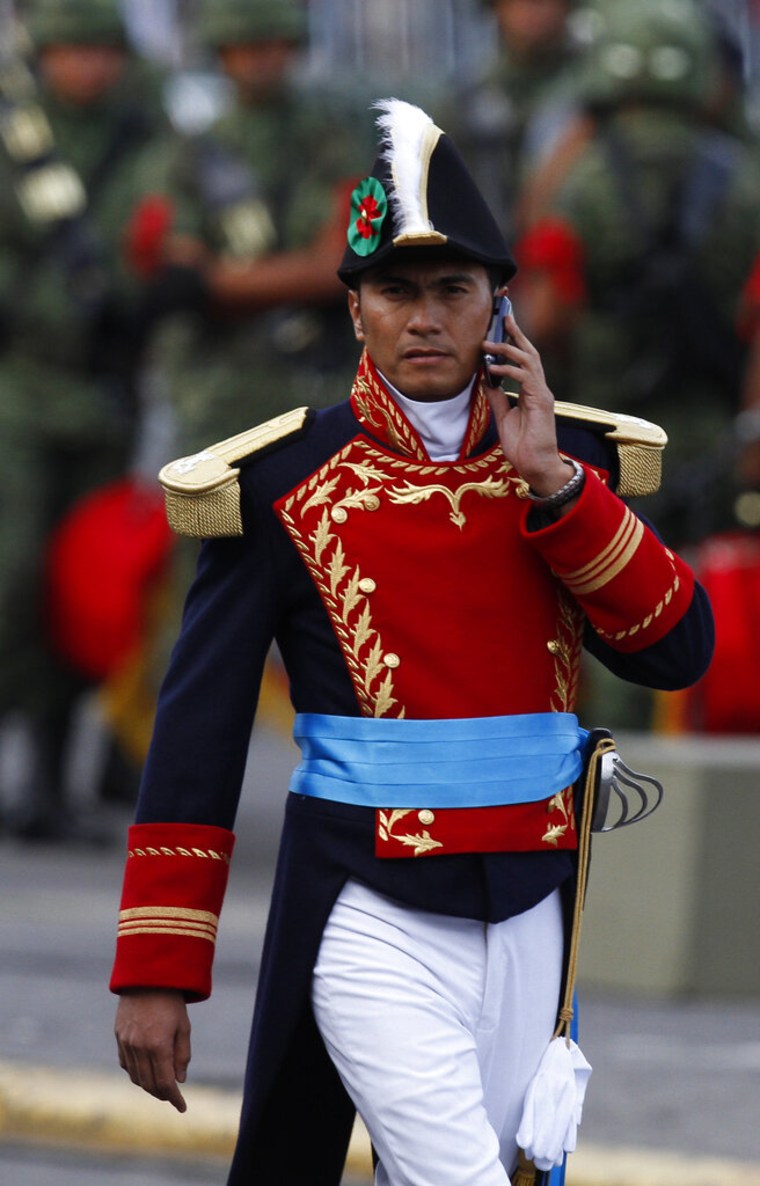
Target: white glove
554	1104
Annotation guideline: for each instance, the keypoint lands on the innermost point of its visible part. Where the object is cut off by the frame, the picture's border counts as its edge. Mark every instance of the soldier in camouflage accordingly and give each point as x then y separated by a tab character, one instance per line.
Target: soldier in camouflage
244	280
640	275
636	274
257	214
509	118
75	147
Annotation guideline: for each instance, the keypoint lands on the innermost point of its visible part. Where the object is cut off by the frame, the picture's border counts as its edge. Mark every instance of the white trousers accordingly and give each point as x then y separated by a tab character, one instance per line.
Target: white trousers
436	1026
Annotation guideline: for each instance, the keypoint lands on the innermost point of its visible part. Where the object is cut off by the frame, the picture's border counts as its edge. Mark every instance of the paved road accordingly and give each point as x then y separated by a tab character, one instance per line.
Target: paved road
24	1166
21	1166
680	1078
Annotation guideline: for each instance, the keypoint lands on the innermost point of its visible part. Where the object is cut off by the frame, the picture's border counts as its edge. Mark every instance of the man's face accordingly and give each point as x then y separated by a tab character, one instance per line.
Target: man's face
82	74
530	27
423	324
258	68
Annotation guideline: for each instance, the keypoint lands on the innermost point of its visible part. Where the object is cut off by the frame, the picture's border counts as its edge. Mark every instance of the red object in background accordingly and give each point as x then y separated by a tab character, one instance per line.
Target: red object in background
553	246
102	562
146	234
727	698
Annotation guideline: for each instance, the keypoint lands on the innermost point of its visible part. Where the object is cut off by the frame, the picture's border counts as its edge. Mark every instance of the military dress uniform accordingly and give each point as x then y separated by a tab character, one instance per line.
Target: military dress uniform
359	643
431	621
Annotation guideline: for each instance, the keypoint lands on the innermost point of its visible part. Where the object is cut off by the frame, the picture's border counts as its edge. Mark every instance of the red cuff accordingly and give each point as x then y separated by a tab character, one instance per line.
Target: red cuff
630	586
174	885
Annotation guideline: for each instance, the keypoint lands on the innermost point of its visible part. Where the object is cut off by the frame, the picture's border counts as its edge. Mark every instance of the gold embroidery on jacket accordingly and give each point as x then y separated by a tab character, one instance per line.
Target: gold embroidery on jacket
481	410
611	560
377	408
370	665
163	851
343	590
560	805
490	488
563	803
662	604
566	649
422	842
168	920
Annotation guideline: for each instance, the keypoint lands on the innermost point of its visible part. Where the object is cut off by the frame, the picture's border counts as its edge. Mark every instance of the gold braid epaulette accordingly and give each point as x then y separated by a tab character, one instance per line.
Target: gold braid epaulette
202	492
639	445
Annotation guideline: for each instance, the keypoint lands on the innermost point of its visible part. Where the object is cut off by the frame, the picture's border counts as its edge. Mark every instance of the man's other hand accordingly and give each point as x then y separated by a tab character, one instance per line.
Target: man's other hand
153	1037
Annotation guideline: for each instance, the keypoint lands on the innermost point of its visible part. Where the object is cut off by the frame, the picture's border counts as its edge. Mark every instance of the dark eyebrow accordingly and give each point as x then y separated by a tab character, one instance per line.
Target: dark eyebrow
457	278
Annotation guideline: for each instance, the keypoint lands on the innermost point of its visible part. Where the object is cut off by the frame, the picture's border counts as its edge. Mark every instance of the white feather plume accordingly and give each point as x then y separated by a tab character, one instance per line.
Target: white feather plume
408	137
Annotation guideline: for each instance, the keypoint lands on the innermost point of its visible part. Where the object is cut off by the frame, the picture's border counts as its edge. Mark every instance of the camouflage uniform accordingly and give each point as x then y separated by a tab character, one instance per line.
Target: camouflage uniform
654	175
508	119
260	182
653	325
70	174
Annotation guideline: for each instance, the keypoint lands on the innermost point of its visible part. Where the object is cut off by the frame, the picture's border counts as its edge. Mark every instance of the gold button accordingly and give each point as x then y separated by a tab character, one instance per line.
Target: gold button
553	647
391	660
367	585
426	816
339	514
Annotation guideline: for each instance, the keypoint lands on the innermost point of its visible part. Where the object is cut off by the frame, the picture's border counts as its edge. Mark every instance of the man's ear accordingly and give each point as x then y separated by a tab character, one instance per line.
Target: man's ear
355	311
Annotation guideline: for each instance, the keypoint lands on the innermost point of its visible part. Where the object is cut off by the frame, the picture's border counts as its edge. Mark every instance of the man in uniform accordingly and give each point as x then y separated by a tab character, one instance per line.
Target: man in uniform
431	556
638	279
508	120
75	147
256	207
243	279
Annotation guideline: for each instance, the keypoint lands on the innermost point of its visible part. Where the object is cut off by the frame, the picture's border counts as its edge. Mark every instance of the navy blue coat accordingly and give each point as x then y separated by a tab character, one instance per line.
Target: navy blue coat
249	591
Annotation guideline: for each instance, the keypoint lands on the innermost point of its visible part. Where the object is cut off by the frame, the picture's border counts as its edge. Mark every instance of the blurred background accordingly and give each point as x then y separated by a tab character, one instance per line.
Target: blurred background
174	180
175	184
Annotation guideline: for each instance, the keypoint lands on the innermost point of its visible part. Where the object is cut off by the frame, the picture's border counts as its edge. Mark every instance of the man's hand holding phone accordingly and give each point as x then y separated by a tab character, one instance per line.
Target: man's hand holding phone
527	427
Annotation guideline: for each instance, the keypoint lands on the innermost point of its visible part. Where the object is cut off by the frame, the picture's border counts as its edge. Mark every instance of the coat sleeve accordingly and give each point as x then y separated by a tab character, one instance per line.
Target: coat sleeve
648	618
180	846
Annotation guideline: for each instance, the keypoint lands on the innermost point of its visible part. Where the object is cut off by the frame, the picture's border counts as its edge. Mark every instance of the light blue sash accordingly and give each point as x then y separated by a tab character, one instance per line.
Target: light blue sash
472	762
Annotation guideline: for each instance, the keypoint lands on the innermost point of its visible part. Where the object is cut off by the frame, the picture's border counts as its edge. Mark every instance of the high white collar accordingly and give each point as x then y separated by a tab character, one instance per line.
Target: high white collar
441	424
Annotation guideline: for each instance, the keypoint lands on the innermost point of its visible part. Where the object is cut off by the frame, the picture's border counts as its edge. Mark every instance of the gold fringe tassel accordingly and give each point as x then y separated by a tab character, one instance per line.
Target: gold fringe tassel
526	1171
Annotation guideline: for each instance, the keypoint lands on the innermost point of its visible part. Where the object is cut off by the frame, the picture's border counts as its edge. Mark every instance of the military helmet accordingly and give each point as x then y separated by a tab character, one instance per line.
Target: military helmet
230	22
655	51
75	22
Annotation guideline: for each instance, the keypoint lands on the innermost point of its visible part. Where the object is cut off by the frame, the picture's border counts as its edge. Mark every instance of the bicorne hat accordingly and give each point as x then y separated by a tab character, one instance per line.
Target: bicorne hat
419	196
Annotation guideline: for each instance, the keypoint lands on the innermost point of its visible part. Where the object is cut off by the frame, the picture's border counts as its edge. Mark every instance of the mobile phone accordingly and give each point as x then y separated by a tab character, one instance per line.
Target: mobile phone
497	333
